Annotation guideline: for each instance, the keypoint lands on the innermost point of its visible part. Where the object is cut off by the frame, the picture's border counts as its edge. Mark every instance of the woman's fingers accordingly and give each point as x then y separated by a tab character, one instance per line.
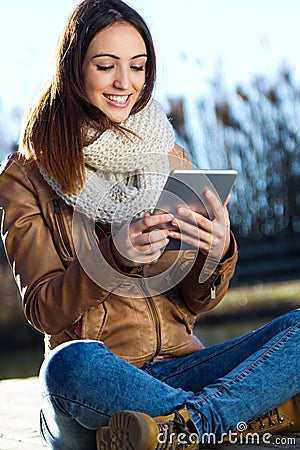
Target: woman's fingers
227	200
187	220
154	239
152	221
197	242
195	229
216	205
157	246
148	236
145	242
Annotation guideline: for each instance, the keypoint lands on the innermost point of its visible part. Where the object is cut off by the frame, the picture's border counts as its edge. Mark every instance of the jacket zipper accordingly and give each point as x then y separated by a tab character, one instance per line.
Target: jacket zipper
61	225
213	286
154	314
213	291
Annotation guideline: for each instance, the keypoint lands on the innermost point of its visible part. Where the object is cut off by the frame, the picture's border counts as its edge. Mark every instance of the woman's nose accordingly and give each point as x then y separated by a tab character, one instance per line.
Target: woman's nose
122	80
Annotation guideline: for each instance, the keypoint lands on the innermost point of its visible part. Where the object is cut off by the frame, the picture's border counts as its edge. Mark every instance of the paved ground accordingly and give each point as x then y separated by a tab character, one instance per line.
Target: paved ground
19	420
19	415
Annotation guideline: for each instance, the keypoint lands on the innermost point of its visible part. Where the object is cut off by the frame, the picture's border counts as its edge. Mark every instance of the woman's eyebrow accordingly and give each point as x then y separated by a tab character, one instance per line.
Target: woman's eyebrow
100	55
142	55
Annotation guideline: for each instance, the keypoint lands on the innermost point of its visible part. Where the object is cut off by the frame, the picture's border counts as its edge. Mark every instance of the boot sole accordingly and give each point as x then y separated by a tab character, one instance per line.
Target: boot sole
126	430
103	439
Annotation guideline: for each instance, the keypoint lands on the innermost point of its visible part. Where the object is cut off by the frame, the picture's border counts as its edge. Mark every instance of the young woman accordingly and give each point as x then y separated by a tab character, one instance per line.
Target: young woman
117	309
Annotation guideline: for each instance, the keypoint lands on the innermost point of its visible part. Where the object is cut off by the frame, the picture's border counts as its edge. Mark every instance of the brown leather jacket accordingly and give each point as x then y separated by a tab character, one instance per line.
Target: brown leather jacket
57	294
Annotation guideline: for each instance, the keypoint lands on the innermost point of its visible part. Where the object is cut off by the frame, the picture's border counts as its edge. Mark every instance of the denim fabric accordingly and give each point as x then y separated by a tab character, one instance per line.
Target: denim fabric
83	384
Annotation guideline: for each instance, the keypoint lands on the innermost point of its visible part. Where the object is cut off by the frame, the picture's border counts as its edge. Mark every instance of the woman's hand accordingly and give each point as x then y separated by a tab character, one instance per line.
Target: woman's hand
139	242
210	236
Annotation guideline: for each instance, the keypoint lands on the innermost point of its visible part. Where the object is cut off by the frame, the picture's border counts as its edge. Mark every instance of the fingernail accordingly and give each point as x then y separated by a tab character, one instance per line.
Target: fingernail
208	194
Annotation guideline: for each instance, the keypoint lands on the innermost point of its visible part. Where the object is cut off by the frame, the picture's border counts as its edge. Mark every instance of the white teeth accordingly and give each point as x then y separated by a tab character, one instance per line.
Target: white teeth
118	98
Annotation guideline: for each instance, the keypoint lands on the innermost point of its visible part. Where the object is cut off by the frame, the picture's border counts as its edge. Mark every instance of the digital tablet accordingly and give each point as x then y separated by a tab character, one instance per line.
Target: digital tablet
187	187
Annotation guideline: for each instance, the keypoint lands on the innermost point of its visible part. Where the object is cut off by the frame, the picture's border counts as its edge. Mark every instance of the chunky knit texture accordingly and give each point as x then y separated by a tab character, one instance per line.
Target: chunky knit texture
124	173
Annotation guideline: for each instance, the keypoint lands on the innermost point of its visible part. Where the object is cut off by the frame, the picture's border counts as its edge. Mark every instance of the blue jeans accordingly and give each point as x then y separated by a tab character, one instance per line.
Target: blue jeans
83	384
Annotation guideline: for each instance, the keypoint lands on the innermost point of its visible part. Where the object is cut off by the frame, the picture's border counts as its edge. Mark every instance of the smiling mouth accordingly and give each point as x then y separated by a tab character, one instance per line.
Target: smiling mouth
119	99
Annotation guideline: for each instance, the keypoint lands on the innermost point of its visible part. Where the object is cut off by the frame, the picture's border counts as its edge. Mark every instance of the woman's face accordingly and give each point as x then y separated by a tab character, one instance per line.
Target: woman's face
114	70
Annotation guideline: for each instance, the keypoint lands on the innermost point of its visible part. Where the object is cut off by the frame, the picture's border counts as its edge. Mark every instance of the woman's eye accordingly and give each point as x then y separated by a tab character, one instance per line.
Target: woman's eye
138	68
105	68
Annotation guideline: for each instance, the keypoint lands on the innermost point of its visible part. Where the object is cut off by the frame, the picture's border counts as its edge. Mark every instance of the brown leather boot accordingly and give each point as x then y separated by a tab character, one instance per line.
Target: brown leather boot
283	419
129	430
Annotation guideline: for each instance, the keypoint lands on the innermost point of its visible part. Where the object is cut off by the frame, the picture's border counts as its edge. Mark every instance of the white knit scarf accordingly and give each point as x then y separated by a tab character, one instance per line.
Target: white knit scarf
124	174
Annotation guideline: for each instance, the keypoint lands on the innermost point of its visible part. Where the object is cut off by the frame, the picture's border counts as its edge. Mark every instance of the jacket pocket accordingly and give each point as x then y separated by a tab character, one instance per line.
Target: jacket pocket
93	322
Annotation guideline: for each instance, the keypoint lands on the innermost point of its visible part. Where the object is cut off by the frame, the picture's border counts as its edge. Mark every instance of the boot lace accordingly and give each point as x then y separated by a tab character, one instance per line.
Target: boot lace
170	431
271	416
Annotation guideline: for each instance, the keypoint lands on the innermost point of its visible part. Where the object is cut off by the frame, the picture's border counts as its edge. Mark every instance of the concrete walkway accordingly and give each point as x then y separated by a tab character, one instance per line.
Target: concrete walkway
19	420
19	415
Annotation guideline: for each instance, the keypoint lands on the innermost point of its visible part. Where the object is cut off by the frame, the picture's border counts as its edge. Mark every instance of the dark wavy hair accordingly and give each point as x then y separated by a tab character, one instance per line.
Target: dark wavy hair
53	127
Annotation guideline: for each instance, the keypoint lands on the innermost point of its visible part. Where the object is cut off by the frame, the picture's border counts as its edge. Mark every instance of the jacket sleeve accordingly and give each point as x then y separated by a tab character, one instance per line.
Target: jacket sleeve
201	297
54	297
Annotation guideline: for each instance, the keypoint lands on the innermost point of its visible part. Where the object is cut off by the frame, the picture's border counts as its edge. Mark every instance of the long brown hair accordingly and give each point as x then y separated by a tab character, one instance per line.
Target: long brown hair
53	128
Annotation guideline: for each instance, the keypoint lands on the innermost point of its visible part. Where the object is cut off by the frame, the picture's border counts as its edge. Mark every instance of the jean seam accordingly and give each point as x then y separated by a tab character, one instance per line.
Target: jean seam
248	369
75	402
198	363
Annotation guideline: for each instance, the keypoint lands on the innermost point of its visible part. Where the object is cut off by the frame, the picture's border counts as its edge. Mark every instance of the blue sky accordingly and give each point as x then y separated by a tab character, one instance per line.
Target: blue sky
249	36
